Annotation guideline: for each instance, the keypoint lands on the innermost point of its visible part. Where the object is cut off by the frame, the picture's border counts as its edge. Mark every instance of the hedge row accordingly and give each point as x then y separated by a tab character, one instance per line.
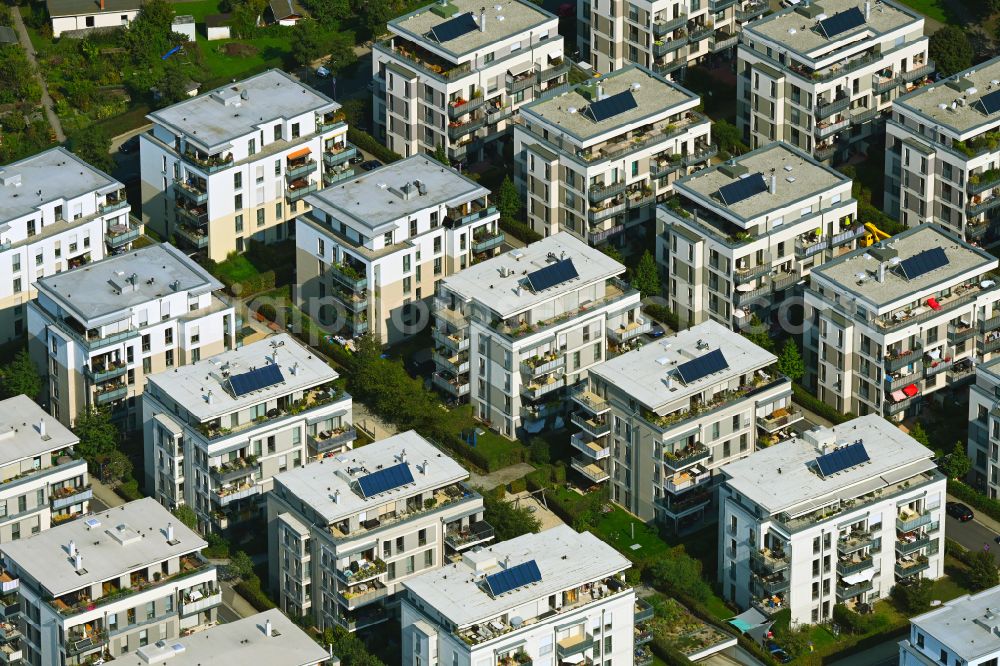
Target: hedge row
367	143
664	314
803	397
974	498
250	590
667	653
520	231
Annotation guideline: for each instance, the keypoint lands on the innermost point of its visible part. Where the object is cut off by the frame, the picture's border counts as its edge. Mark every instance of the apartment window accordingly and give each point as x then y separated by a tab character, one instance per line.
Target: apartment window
399	545
238	202
387	239
260	217
413	228
15	531
22	503
39	259
295	130
252	146
59	211
169	358
279	210
277	167
31	228
422	537
239	224
598	352
168	336
410	564
428	558
437	266
17	285
238	180
147	365
407	284
146	345
15	263
144	638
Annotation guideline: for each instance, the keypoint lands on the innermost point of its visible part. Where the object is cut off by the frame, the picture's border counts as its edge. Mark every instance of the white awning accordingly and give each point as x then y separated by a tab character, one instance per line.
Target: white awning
860	577
517	70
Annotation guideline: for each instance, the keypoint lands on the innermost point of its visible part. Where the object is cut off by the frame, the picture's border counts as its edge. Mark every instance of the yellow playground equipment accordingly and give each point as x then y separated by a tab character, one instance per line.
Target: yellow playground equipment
872	235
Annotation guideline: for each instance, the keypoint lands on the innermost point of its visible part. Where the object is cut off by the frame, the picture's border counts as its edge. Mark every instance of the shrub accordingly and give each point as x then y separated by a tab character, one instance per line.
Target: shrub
802	396
129	490
680	573
539	451
518	485
973	498
559	473
664	314
915	596
520	231
250	590
367	142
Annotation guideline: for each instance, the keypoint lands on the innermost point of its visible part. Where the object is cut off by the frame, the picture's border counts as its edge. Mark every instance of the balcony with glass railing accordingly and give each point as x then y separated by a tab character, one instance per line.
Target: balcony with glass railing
845	591
596	448
339	154
196	237
590	401
541	386
406	509
194	189
120	234
854	541
105	394
300	167
331	440
542	364
594	425
768	561
362	570
463	537
910	565
299	188
455	385
780	418
487	240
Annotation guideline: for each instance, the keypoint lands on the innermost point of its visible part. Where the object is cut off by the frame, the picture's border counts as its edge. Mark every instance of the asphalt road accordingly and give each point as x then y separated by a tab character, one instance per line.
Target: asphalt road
973	535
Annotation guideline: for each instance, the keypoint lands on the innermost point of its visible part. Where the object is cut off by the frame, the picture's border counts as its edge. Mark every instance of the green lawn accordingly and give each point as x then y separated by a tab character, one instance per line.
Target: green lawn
622	530
199	10
935	9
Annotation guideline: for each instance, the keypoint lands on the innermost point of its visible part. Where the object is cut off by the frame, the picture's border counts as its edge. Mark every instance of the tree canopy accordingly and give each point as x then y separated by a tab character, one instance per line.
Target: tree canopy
957	464
679	573
647	276
950	49
757	333
508	200
918	433
98	436
790	363
92	144
983	571
187	516
507	520
20	377
914	596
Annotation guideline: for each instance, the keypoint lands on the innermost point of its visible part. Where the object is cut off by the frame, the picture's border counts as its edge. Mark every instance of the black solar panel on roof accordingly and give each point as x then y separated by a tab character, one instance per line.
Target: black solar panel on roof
256	379
743	188
990	103
843	458
842	22
703	366
513	578
609	107
923	262
454	27
553	274
385	479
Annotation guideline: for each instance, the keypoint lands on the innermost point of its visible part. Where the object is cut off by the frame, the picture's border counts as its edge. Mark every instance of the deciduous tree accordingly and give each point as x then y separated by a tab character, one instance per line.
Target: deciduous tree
790	362
647	276
950	49
507	520
20	377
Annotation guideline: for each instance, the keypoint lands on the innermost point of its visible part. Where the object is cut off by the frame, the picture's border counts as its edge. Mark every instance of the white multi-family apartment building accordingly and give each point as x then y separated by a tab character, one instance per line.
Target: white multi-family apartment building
965	630
820	75
741	235
56	213
900	319
265	638
659	421
453	74
346	531
941	158
511	333
44	483
664	35
558	596
216	432
233	165
836	516
374	246
102	587
594	158
96	332
983	441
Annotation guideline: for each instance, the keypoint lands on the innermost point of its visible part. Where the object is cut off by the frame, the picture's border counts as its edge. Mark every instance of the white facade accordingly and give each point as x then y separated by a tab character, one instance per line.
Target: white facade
825	93
73	15
461	92
579	609
234	164
371	249
660	434
44	482
341	541
880	338
71	578
727	260
598	176
940	163
56	212
217	450
664	35
983	441
961	631
800	531
97	331
512	346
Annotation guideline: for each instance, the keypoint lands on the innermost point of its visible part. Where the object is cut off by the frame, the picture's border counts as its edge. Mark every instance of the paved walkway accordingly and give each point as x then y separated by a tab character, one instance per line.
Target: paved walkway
370	424
22	37
105	494
501	477
232	599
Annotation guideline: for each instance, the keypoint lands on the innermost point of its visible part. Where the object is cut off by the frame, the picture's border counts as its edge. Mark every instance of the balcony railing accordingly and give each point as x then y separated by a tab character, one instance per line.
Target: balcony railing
328	440
907	522
772	584
686	457
629	331
488	241
643	611
774	423
991	324
193	236
824	129
824	152
751	12
348	277
587	467
361	571
299	170
225	496
589	400
918	73
662	27
744	297
534	391
352	600
601	192
103	396
597	428
881	84
456	386
702	154
750	273
661	48
912	567
541	365
299	191
904	547
863	116
333	156
202	603
237	469
851	591
455	110
457	341
987	346
602	213
848	567
475	534
68	496
597	237
195	216
193	193
698	33
590	446
105	372
899	361
854	542
118	235
767	561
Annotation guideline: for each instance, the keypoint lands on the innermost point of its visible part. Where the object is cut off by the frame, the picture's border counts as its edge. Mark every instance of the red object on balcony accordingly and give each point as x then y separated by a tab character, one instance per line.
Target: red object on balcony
933	303
302	152
911	390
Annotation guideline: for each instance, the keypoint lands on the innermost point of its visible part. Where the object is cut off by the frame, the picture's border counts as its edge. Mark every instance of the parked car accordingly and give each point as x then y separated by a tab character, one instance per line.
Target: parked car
777	652
129	145
959	511
370	164
322	72
656	331
357	159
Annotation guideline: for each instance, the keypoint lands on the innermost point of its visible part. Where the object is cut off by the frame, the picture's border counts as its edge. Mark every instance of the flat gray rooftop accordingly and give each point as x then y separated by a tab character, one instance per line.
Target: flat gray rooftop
242	641
53	175
508	296
655	97
643	373
566	559
20	435
377	199
810	179
514	17
104	288
969	625
800	34
962	109
844	271
215	118
190	384
799	487
317	483
44	556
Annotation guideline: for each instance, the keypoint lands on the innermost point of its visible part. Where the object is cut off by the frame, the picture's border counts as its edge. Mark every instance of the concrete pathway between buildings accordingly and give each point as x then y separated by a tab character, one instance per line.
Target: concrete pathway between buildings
105	494
501	477
47	104
232	599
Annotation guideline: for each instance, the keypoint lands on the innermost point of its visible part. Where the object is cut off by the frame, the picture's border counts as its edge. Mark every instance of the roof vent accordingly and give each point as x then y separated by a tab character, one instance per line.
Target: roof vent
10	179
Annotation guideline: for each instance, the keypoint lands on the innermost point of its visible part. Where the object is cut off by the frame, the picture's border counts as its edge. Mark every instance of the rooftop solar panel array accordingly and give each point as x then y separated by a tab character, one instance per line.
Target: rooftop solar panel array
385	480
703	366
609	107
990	103
842	22
552	275
454	28
843	458
256	379
515	577
923	262
743	188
